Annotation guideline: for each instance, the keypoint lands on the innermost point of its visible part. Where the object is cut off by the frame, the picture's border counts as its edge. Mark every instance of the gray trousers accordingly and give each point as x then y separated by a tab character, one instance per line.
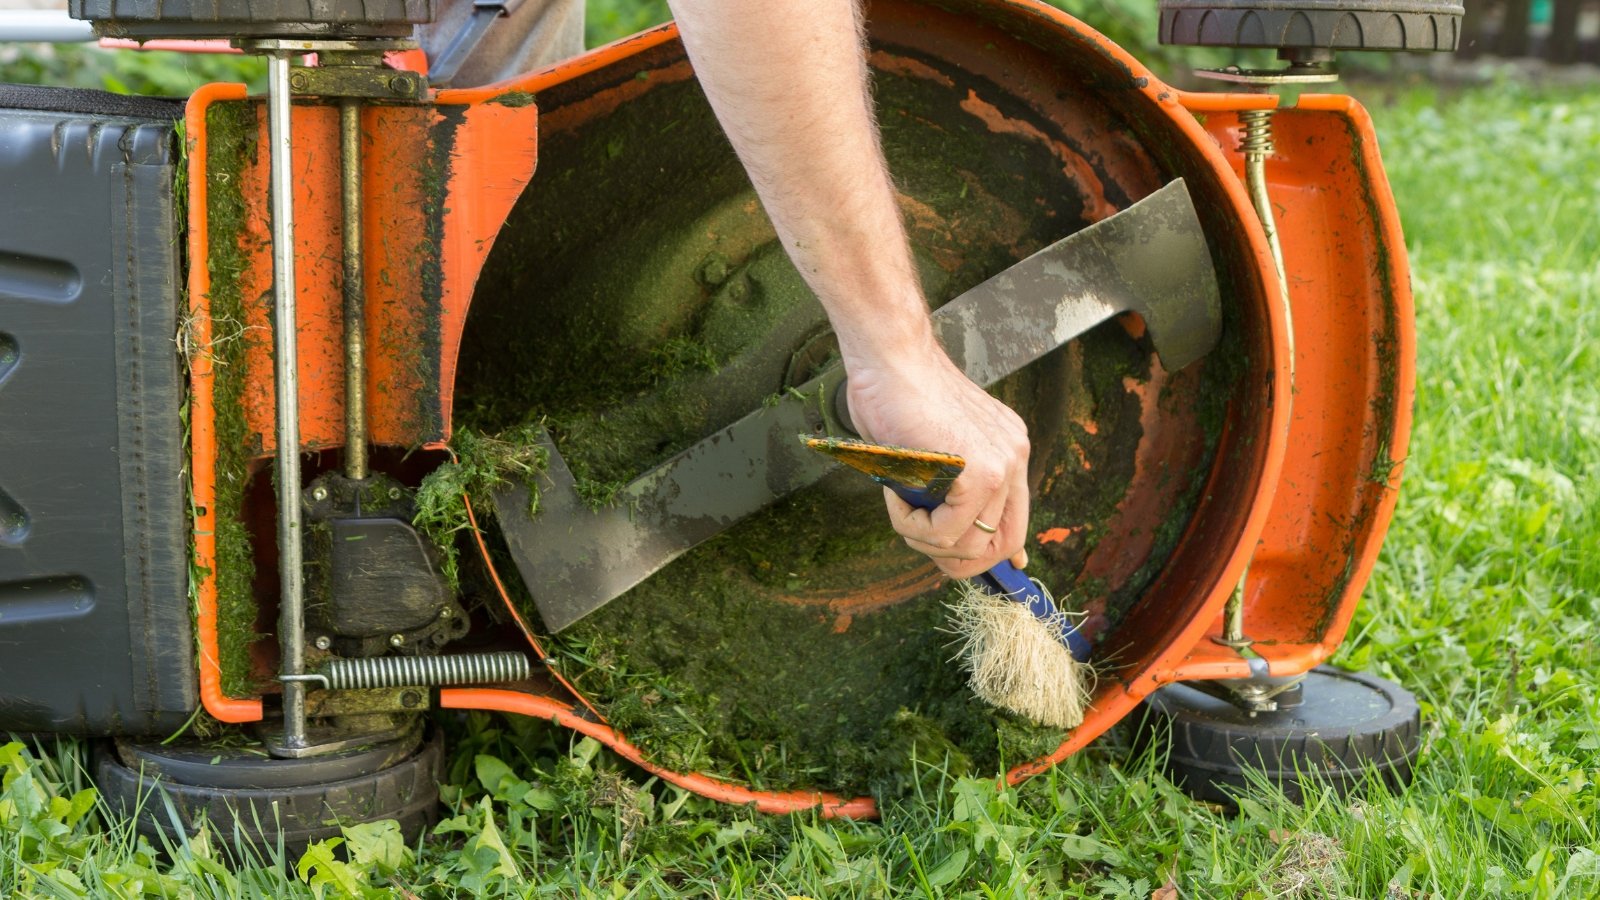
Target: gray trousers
539	33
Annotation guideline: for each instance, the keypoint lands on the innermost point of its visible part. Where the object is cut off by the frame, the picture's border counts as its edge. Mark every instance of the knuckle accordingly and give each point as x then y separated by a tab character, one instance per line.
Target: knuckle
988	480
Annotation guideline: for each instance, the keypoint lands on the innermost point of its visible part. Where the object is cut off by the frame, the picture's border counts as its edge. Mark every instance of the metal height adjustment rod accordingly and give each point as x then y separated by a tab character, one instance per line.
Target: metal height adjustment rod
364	56
350	70
355	295
291	569
1255	144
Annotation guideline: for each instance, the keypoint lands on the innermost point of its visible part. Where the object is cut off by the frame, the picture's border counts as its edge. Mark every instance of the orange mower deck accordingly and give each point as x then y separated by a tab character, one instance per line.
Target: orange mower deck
1307	464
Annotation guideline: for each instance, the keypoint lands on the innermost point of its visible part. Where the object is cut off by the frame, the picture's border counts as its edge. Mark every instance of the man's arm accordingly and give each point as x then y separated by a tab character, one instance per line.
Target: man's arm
788	82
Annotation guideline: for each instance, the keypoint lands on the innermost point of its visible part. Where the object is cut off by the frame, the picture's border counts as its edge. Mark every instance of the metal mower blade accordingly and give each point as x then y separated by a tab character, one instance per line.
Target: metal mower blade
1151	259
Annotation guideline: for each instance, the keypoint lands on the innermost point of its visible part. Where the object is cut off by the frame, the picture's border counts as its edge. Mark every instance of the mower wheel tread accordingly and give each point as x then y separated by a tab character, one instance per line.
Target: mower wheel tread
407	791
1351	724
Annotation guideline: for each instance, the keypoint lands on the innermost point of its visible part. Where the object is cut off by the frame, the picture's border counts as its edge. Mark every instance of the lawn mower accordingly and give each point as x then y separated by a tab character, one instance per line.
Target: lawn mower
330	409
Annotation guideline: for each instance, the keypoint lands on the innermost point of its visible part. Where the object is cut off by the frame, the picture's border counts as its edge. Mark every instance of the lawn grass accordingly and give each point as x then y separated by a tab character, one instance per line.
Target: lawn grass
1484	603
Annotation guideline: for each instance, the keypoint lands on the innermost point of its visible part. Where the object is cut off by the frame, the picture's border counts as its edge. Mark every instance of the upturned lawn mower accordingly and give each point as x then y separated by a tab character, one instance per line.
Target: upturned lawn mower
329	409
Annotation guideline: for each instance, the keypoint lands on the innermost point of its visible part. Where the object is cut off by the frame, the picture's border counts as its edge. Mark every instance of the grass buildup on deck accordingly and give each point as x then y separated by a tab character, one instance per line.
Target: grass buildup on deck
666	310
482	464
231	134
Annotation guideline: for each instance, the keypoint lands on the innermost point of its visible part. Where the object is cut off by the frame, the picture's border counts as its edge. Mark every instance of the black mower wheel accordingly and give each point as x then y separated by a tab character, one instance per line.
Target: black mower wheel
260	803
1349	725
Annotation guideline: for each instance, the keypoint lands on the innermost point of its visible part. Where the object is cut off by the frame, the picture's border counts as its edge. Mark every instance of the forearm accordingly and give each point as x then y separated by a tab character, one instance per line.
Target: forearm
788	81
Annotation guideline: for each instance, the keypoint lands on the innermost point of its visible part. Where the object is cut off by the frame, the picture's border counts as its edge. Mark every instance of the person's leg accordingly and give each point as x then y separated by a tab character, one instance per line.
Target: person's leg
539	33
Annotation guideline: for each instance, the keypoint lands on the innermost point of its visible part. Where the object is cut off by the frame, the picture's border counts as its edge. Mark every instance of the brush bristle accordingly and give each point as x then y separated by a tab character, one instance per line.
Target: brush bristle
1017	661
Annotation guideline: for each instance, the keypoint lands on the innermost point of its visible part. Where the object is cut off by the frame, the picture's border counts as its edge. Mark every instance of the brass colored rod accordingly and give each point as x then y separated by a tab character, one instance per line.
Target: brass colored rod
355	313
1257	146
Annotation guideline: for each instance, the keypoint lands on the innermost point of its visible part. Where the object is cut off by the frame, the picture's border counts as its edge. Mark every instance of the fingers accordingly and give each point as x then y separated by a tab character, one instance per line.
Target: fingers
949	530
938	407
978	551
1018	508
949	535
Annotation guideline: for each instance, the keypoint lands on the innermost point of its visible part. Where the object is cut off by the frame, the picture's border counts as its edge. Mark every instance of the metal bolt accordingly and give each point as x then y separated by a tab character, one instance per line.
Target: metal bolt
397	640
319	493
394	493
298	81
323	642
400	84
444	613
410	699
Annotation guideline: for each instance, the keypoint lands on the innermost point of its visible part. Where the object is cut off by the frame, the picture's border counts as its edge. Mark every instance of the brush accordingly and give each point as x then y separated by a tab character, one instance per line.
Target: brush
1022	652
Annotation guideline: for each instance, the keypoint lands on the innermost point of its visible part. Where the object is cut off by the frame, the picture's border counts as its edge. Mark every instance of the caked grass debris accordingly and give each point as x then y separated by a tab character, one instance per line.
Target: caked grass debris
231	134
662	308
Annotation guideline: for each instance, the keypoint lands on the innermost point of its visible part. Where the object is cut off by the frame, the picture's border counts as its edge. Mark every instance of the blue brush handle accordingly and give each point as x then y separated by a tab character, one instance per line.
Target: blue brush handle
1004	580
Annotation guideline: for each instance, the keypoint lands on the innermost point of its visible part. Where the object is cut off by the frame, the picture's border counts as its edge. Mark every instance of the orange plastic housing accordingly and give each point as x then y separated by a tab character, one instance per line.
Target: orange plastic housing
426	239
1309	489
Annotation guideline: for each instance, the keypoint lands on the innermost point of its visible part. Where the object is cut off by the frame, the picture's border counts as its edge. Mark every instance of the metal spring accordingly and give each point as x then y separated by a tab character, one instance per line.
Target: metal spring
1257	137
401	671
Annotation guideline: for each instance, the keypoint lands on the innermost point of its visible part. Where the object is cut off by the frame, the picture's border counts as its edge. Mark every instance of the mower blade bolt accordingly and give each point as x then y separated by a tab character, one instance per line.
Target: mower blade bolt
323	642
319	493
394	493
397	640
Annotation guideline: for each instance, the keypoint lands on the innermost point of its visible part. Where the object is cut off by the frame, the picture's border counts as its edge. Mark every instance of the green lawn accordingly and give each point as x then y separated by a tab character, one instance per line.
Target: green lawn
1485	603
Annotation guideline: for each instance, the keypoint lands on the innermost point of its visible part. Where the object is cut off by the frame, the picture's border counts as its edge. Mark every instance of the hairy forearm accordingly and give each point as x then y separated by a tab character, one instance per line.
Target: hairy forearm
788	81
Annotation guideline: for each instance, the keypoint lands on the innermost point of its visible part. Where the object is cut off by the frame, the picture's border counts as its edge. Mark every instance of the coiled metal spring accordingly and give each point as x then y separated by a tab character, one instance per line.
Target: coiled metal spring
401	671
1257	137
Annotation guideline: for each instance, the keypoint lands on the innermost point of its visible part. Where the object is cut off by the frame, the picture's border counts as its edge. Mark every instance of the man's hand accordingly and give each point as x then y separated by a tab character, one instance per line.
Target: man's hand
931	404
788	81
